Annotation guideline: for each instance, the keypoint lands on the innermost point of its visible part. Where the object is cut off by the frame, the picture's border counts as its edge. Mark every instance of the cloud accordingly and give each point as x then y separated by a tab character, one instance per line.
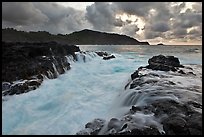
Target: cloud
62	19
189	19
130	29
151	35
197	7
43	16
179	33
135	8
172	22
163	20
22	13
118	23
160	27
102	16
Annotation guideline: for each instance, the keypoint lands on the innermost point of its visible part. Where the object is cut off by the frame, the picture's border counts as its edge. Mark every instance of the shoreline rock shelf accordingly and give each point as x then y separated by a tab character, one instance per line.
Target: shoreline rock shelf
30	62
160	100
26	64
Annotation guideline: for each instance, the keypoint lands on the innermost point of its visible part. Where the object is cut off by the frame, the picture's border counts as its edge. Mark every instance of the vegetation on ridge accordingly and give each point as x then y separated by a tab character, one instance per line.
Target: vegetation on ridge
83	37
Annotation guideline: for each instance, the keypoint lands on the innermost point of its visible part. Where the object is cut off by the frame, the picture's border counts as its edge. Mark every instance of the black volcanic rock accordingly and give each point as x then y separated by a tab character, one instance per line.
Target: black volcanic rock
102	53
164	63
105	55
27	61
134	75
83	37
160	44
92	128
109	57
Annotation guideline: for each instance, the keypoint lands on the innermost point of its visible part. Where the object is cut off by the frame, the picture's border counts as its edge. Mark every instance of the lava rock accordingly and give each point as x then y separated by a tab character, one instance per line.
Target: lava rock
135	75
6	86
24	60
92	128
101	53
135	109
105	55
163	63
24	87
115	124
109	57
144	131
175	125
181	71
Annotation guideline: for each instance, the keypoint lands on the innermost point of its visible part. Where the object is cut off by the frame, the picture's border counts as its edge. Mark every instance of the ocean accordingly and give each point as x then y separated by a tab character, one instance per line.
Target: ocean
88	90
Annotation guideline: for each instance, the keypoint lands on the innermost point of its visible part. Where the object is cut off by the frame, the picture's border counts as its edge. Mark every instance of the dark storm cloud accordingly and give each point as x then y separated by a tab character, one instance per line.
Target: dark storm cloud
191	18
179	33
152	35
188	19
160	27
62	19
102	16
135	8
22	13
177	28
51	17
130	29
118	23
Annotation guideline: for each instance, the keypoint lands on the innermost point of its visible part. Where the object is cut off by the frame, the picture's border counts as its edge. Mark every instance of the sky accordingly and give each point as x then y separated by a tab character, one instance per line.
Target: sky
171	23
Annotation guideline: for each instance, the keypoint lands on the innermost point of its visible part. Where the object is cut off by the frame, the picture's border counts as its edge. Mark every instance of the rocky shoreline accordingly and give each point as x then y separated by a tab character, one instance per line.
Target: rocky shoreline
26	64
160	102
159	99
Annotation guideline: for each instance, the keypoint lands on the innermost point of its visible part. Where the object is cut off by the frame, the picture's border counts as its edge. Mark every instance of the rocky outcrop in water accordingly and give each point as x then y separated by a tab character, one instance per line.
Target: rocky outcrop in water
109	57
164	63
105	55
32	62
160	101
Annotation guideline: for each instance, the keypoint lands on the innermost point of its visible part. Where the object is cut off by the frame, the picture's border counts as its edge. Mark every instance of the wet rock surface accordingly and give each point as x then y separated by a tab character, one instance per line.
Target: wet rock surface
102	53
92	128
22	87
32	61
160	101
109	57
164	63
105	55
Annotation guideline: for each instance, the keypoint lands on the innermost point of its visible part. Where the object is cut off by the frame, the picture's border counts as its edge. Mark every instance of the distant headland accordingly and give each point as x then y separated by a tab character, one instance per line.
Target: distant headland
83	37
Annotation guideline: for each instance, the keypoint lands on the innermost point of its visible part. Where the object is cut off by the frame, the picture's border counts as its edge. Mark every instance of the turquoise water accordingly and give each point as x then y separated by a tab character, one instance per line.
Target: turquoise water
186	54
